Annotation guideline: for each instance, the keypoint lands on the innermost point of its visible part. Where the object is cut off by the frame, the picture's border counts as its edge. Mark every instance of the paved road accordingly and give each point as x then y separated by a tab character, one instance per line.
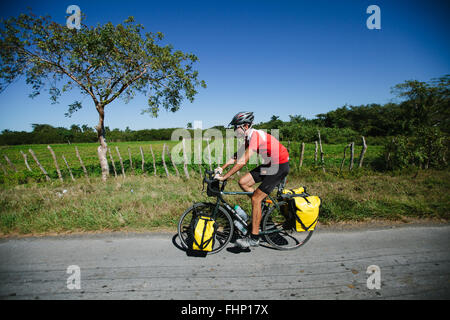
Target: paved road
414	264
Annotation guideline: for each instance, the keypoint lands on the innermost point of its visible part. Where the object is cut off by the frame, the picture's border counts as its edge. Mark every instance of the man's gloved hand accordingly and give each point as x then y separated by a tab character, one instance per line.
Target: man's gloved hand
219	177
218	170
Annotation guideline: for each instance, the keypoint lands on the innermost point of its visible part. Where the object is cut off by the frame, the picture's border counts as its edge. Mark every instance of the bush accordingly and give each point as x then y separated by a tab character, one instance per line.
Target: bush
427	148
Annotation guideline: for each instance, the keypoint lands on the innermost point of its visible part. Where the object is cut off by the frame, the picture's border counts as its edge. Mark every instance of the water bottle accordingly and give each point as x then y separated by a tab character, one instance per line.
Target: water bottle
241	213
241	227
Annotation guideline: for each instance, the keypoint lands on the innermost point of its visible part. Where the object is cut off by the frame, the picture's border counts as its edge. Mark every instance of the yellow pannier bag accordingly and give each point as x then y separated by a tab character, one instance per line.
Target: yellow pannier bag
307	213
303	207
204	230
296	191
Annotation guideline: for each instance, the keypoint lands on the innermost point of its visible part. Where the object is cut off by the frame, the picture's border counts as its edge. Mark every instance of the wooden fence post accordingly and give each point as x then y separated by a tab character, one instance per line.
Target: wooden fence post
315	153
81	163
343	159
70	171
154	164
173	163
321	152
164	160
302	152
363	151
56	163
142	157
352	155
10	163
209	154
4	169
131	161
185	160
39	165
201	160
112	162
25	160
121	161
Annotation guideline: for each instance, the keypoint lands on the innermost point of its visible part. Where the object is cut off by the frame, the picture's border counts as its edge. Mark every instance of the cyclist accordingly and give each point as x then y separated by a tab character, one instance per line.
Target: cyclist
273	170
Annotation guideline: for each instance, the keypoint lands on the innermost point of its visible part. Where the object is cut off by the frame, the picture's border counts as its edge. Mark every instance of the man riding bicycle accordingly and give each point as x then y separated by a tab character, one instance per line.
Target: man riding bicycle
274	169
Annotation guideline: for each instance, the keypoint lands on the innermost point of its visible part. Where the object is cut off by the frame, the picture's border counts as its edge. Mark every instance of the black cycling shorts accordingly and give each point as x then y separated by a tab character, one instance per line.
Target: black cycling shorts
270	175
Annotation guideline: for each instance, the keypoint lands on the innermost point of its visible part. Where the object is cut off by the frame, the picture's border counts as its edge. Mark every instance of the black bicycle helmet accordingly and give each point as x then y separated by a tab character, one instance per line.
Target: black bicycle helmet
242	118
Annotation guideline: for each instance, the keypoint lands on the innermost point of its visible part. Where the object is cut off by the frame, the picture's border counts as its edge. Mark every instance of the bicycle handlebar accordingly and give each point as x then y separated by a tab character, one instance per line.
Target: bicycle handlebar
211	180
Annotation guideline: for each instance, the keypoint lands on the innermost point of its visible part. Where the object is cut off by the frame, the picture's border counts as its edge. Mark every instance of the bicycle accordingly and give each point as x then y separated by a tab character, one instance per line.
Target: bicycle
277	228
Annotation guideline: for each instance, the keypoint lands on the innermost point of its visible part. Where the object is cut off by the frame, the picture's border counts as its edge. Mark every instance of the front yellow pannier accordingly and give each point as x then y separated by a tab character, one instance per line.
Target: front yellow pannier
304	208
204	230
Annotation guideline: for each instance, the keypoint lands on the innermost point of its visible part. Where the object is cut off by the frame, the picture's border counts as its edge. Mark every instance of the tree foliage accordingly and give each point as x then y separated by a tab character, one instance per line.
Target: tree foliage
104	62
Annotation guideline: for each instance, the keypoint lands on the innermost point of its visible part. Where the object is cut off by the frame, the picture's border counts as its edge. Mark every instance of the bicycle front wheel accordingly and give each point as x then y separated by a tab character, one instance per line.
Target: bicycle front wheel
281	232
222	218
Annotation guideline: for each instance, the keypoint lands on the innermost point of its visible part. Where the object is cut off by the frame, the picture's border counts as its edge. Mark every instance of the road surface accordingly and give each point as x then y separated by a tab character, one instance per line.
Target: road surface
414	263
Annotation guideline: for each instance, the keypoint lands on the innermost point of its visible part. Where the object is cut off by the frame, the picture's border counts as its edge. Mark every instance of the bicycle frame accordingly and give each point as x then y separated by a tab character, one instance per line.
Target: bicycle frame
221	201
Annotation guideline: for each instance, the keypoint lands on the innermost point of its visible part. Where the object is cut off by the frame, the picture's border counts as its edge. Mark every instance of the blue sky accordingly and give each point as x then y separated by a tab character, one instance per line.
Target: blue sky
271	57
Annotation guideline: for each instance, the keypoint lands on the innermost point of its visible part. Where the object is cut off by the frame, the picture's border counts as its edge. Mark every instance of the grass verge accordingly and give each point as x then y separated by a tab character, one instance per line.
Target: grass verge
148	203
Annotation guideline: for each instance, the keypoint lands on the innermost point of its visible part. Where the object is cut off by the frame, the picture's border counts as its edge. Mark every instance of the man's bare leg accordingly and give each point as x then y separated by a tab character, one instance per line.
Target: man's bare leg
257	197
246	183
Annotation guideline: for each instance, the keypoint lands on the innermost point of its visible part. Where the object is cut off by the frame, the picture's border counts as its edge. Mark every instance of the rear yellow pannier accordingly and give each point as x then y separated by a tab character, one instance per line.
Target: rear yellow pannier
204	230
304	208
307	213
299	190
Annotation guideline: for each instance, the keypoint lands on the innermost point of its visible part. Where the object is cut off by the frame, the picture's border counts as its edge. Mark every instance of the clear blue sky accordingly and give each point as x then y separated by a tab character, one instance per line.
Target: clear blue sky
272	57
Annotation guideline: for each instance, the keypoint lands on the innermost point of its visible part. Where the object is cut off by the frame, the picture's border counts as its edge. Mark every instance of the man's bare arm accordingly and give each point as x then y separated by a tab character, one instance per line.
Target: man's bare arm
239	164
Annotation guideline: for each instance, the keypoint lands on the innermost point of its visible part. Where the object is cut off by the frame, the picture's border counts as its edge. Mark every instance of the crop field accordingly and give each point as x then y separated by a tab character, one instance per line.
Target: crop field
333	155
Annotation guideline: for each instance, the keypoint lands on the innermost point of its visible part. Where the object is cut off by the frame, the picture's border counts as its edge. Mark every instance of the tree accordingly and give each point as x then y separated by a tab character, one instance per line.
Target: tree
104	62
427	103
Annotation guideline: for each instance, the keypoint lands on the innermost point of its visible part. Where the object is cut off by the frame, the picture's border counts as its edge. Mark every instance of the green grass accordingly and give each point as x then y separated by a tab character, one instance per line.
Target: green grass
148	203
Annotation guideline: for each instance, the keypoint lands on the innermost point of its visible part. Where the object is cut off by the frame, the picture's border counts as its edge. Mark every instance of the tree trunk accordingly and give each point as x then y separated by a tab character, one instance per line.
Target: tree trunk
103	147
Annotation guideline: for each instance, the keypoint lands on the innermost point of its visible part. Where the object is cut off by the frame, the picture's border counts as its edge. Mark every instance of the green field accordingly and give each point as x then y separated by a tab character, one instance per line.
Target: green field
88	151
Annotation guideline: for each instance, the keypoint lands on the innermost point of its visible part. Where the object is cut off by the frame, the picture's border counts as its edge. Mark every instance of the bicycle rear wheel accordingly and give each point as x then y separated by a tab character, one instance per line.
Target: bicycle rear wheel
283	235
222	218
